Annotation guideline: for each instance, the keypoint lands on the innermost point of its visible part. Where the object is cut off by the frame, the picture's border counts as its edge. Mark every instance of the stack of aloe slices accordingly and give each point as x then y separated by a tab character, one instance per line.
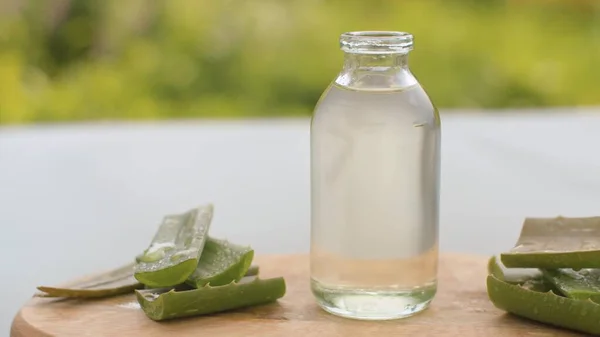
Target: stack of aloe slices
552	274
183	272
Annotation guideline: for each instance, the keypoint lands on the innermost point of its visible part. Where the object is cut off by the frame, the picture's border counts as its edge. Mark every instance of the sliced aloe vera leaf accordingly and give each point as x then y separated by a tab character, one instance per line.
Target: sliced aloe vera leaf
175	249
164	304
544	307
582	284
221	262
512	275
553	243
113	282
253	270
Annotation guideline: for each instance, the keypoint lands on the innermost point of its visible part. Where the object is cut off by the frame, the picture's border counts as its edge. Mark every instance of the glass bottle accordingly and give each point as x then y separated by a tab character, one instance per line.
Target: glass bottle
375	168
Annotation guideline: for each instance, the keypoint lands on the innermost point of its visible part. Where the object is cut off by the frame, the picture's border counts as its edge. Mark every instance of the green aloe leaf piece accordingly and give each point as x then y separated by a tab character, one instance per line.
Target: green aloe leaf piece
113	282
553	243
582	284
175	249
544	307
221	263
165	304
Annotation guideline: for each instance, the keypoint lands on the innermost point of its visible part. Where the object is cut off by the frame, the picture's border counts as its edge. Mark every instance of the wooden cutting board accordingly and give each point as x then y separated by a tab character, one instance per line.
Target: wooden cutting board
461	308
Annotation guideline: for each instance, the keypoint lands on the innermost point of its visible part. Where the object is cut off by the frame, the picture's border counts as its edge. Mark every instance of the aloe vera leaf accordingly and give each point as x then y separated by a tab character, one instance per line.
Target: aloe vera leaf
553	243
221	263
164	304
175	249
544	307
512	275
582	284
113	282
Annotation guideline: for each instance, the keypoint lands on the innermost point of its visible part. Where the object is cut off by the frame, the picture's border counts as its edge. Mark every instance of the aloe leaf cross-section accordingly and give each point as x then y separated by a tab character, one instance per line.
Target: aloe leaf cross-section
175	250
221	262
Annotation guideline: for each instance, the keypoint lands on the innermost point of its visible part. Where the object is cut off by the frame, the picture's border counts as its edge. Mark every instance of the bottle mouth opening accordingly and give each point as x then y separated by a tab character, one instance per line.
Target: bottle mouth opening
376	42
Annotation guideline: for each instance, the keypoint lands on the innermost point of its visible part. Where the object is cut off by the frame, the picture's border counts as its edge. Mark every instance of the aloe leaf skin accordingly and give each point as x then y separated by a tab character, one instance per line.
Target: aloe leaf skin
582	284
175	249
553	243
168	304
544	307
113	282
221	262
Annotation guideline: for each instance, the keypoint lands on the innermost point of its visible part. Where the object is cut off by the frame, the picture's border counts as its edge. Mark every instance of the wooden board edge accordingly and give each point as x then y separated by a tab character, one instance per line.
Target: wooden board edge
20	327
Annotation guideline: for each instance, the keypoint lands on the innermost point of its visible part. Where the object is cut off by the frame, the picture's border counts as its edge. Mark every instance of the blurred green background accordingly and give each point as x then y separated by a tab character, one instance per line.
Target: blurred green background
74	60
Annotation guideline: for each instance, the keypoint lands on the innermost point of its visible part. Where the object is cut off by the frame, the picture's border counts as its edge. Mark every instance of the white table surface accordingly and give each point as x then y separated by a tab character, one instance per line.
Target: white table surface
82	197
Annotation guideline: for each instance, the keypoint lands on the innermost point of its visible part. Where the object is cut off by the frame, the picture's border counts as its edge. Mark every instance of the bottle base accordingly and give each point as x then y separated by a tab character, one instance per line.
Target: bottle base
366	304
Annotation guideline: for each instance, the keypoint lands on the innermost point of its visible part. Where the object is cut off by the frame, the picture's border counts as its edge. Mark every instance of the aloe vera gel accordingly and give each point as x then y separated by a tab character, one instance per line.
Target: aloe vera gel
375	166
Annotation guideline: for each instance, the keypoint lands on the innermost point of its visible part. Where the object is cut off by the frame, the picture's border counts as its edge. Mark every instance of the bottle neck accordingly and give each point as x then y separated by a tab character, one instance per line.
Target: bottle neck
385	71
395	61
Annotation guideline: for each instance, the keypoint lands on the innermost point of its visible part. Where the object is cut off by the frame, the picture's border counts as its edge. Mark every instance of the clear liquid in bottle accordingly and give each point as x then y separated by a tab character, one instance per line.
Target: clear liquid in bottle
374	195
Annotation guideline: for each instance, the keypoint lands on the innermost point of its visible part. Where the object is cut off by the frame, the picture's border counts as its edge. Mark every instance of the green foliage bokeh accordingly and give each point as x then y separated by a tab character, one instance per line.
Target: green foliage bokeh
139	59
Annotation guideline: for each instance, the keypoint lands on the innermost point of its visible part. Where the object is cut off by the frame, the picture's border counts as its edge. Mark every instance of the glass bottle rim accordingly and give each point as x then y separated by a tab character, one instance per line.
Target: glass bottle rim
376	42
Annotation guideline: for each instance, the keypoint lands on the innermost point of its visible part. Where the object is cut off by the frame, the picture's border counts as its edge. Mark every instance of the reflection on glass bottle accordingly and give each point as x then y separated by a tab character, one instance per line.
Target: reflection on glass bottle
375	167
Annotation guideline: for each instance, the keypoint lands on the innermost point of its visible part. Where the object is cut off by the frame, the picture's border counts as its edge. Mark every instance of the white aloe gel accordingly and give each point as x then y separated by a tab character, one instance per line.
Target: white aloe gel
375	166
